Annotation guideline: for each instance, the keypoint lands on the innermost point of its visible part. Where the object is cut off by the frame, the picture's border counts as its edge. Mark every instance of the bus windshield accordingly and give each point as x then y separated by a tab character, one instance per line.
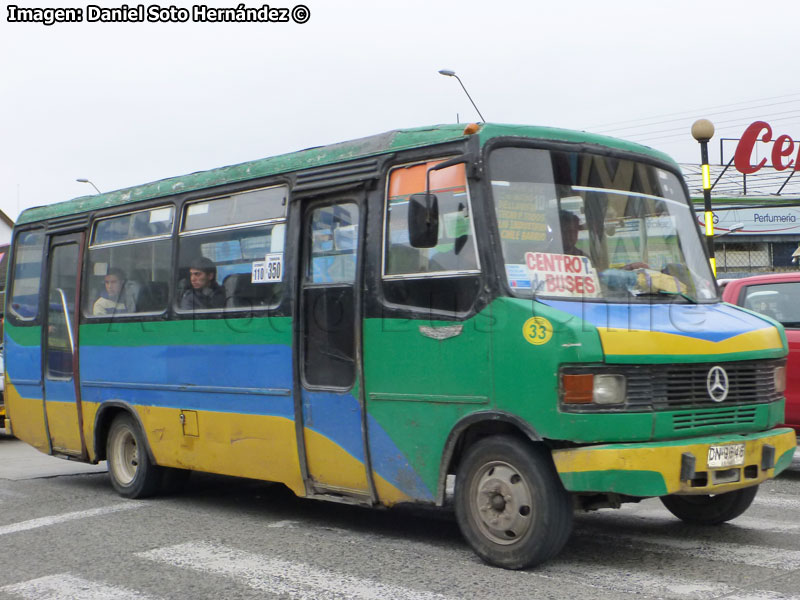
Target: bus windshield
588	226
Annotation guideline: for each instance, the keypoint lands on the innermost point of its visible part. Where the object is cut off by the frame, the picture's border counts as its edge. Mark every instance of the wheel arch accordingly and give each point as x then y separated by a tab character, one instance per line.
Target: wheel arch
472	428
106	414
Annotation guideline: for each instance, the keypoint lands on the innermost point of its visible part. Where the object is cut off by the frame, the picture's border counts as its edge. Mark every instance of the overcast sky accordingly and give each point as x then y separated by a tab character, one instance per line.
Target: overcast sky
123	104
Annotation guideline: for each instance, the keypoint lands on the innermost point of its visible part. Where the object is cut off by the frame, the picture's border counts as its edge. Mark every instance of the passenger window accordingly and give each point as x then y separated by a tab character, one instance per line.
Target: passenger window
455	251
129	264
444	278
27	275
231	252
334	241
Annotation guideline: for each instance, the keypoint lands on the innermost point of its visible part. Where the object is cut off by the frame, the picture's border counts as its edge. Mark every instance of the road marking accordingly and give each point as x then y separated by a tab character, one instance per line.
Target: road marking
778	502
278	524
630	581
744	522
297	580
68	587
760	595
757	556
71	516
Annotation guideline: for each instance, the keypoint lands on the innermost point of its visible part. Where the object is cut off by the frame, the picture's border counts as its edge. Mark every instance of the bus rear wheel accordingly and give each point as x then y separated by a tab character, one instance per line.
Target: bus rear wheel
710	510
510	504
132	473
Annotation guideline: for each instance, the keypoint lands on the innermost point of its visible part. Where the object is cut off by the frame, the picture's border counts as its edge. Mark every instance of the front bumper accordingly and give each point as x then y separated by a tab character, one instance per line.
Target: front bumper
675	466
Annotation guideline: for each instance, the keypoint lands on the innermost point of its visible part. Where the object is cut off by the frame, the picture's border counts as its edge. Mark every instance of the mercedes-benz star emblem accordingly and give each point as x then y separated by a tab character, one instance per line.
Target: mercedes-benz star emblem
717	384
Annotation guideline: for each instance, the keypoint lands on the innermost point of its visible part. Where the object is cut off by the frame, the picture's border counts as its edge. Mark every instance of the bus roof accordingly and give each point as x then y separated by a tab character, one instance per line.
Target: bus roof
392	141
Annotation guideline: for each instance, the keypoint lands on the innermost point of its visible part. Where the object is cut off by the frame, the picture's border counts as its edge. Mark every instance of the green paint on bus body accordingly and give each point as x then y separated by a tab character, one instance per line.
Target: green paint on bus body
631	483
392	141
24	336
228	331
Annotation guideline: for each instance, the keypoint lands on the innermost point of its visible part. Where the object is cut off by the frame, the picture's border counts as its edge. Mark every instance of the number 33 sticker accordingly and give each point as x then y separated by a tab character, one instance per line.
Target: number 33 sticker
537	330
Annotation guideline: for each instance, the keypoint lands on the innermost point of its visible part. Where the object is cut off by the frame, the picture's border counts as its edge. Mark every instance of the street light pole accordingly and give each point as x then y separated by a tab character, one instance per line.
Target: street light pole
703	131
84	180
449	73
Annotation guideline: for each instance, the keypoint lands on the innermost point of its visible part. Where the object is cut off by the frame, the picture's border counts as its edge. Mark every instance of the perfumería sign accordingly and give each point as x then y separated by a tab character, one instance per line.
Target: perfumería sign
785	151
784	220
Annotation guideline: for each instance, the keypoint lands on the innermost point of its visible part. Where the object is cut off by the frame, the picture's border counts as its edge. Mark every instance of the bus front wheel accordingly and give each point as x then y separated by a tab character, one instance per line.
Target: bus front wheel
132	473
710	510
510	504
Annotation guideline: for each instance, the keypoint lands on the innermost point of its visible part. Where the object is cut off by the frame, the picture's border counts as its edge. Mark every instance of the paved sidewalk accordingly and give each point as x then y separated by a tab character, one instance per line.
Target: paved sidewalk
18	460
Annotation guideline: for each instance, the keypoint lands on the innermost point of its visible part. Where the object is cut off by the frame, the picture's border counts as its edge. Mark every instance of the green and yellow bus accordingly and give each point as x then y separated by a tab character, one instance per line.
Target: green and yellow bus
527	314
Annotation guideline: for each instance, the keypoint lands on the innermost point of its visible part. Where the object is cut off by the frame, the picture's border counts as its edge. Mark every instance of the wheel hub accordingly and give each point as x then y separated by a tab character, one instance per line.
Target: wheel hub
502	503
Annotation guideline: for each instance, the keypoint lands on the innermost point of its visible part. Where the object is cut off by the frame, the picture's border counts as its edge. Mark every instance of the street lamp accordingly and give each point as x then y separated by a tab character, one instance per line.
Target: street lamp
732	229
702	131
84	180
449	73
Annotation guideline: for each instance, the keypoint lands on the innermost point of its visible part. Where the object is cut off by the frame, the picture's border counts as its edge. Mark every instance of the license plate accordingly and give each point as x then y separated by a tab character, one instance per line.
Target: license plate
725	455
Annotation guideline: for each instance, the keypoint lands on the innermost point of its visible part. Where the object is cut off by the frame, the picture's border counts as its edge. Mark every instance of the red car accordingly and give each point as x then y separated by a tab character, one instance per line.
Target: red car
778	296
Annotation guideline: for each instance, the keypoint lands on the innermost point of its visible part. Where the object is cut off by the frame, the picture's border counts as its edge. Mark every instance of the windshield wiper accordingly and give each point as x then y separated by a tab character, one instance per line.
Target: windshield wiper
683	295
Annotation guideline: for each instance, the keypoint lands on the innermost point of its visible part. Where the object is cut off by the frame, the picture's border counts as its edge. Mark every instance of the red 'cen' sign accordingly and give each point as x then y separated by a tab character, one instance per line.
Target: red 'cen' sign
782	147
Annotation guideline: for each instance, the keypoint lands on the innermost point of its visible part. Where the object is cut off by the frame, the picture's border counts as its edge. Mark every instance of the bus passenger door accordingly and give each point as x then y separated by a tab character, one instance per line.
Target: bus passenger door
62	404
327	330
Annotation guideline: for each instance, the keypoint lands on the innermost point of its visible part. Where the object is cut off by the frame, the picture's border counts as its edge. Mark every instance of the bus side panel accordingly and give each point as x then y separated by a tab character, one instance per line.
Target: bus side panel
420	383
23	394
213	395
333	438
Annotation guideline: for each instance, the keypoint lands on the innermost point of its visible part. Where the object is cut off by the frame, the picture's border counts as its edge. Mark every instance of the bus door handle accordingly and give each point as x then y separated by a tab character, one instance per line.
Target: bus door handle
65	308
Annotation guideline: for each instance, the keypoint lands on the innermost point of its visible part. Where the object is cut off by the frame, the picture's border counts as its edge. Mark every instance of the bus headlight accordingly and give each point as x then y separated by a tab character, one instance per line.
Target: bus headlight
609	389
780	379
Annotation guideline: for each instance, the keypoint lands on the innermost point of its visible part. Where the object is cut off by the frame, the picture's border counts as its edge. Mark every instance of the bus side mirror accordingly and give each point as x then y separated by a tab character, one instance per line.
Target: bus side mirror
423	220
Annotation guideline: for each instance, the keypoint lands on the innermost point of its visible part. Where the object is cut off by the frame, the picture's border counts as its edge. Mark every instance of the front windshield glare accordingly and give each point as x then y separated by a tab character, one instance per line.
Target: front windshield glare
579	225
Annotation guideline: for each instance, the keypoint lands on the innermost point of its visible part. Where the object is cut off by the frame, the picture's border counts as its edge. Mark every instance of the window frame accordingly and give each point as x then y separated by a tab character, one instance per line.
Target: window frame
14	317
180	234
86	305
93	230
385	227
195	201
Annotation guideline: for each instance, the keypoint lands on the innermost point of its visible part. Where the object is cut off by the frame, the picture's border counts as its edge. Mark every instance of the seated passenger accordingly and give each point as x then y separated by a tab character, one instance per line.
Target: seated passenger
570	226
204	292
118	295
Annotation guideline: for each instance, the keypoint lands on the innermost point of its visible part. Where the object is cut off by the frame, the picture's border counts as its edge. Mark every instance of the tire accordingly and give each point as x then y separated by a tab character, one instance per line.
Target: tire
710	510
510	504
132	473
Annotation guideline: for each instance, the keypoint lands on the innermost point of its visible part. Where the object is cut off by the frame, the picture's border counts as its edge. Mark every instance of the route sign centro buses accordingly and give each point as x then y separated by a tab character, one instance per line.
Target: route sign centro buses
562	274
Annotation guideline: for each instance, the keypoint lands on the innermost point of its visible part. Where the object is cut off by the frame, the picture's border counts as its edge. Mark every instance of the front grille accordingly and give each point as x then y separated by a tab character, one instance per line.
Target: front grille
708	418
675	386
683	386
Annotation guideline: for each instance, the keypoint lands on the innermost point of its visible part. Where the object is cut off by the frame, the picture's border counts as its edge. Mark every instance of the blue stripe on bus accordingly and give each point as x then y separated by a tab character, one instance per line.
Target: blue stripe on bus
710	322
245	366
24	364
338	418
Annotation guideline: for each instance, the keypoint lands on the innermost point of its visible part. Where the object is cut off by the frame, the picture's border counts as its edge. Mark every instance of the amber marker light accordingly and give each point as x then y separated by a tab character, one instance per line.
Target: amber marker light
578	389
472	128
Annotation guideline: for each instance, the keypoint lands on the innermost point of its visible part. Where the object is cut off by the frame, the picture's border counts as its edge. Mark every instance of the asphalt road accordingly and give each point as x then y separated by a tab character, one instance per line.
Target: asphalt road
64	534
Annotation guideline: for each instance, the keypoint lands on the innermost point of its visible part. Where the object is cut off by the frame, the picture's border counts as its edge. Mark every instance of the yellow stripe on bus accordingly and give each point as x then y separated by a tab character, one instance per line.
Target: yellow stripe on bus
633	342
243	445
665	459
331	464
26	415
